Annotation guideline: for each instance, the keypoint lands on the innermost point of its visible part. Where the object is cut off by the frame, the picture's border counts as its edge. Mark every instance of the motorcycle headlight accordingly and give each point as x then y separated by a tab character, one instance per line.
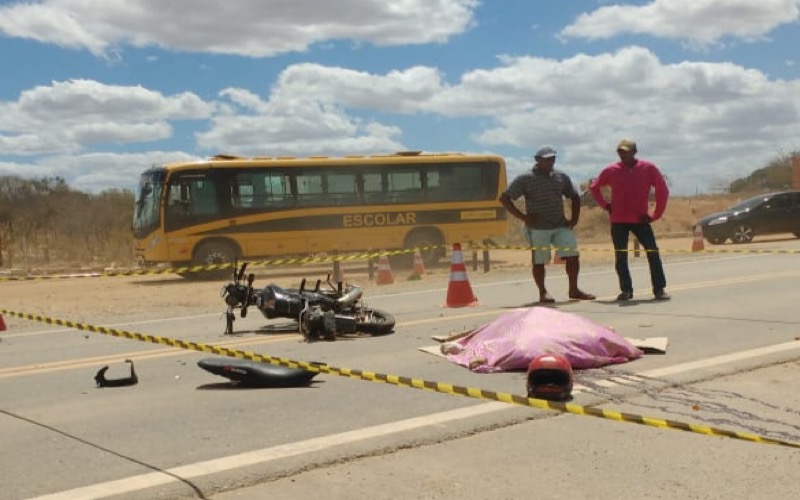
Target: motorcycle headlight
234	295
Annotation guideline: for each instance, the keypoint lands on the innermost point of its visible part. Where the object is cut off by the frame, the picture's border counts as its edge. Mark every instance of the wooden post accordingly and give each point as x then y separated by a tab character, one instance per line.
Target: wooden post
796	172
337	267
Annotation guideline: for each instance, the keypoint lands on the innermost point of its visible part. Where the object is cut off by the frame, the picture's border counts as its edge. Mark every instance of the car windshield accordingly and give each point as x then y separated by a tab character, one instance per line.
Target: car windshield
748	203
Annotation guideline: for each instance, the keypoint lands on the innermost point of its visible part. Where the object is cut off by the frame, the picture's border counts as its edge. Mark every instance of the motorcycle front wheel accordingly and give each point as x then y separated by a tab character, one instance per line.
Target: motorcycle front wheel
375	322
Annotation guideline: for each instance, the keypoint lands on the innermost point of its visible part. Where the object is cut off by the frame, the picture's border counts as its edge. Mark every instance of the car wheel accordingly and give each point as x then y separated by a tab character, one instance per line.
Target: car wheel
717	240
742	234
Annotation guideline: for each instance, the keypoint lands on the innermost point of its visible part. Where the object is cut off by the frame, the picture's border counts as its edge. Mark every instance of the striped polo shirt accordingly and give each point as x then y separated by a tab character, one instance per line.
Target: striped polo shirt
544	194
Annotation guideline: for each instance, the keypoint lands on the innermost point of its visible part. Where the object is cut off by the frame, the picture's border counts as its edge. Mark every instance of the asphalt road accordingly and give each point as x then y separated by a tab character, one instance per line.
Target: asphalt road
733	362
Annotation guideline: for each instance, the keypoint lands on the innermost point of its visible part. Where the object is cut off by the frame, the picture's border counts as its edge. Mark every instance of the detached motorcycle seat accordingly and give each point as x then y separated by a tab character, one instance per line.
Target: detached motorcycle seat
253	374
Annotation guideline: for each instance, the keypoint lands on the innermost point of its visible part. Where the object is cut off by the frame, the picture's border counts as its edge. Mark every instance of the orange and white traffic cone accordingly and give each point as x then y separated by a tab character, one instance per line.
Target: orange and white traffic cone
418	270
697	241
459	291
384	276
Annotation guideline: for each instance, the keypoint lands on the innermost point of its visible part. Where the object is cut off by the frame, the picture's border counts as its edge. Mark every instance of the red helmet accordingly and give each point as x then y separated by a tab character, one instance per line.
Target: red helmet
550	377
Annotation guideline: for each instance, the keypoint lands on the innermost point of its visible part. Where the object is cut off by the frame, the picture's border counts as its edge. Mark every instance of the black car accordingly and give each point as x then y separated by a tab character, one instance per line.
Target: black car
770	213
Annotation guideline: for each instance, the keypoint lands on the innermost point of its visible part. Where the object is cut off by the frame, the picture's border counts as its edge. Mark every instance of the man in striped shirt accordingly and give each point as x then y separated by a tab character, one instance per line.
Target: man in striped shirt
545	224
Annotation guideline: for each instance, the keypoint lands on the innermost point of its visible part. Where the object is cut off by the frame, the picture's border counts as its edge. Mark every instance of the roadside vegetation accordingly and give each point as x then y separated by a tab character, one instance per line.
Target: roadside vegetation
44	222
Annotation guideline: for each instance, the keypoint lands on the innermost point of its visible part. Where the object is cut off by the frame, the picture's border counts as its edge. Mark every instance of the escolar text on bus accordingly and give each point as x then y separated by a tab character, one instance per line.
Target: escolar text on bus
379	219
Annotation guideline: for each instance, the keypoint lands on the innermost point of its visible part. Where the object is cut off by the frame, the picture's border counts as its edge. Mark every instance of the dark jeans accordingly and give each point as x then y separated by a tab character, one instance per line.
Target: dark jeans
643	233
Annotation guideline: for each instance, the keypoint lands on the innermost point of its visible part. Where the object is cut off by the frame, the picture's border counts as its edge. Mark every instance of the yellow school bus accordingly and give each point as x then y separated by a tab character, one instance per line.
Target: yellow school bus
228	208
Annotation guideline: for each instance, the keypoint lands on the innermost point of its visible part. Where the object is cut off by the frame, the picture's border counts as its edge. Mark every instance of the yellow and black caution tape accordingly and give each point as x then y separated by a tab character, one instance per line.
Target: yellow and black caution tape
370	255
415	383
224	266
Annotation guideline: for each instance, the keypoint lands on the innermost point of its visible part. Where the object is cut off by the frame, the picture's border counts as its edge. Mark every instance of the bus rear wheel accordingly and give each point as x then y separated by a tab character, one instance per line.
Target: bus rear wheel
430	243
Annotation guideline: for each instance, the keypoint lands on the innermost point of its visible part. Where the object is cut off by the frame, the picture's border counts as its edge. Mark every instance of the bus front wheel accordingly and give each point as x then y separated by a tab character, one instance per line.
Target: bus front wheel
209	253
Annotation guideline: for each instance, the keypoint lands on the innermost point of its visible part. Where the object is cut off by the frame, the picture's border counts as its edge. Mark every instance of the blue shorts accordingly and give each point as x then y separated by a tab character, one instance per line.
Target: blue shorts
543	240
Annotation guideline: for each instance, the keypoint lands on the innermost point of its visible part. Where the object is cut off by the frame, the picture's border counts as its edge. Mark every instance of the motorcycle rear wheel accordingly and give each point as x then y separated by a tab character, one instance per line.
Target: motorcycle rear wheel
375	322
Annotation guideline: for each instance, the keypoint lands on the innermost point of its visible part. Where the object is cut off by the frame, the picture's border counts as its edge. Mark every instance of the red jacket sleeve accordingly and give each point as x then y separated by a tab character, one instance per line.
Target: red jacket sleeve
661	191
597	194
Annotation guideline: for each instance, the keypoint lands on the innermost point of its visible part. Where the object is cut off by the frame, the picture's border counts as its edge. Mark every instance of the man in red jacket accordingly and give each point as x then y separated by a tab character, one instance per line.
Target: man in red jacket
631	181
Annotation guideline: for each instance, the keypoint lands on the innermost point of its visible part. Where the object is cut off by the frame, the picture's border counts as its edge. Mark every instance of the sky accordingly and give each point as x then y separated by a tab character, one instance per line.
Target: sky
97	91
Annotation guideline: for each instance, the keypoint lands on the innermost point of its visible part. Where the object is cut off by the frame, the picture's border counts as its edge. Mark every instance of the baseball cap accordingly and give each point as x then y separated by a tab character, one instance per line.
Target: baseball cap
545	152
627	145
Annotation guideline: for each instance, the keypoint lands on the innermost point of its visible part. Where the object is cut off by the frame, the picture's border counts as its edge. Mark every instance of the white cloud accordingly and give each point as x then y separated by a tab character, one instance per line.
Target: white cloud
719	120
96	171
697	22
292	125
68	116
398	91
255	28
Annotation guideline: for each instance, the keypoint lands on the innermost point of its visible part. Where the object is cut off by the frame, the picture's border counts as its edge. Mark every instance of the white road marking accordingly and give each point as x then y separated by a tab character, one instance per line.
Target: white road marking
140	482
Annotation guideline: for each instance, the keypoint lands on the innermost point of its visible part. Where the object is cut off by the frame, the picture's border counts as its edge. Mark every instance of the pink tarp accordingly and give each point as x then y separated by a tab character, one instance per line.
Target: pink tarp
512	340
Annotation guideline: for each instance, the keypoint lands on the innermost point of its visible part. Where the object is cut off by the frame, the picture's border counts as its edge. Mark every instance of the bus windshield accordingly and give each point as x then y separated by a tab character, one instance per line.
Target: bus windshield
146	209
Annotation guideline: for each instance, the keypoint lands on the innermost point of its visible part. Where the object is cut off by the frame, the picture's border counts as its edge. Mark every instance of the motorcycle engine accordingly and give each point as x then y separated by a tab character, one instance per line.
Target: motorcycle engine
319	324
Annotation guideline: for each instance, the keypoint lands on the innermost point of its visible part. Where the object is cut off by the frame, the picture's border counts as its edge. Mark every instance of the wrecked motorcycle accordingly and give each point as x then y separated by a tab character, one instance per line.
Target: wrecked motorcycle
322	312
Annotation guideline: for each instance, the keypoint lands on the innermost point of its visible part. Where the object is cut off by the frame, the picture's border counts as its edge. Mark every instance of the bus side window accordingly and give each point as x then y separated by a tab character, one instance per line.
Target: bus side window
372	187
243	193
342	189
203	199
469	182
191	199
490	179
440	185
277	190
404	186
177	202
310	190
